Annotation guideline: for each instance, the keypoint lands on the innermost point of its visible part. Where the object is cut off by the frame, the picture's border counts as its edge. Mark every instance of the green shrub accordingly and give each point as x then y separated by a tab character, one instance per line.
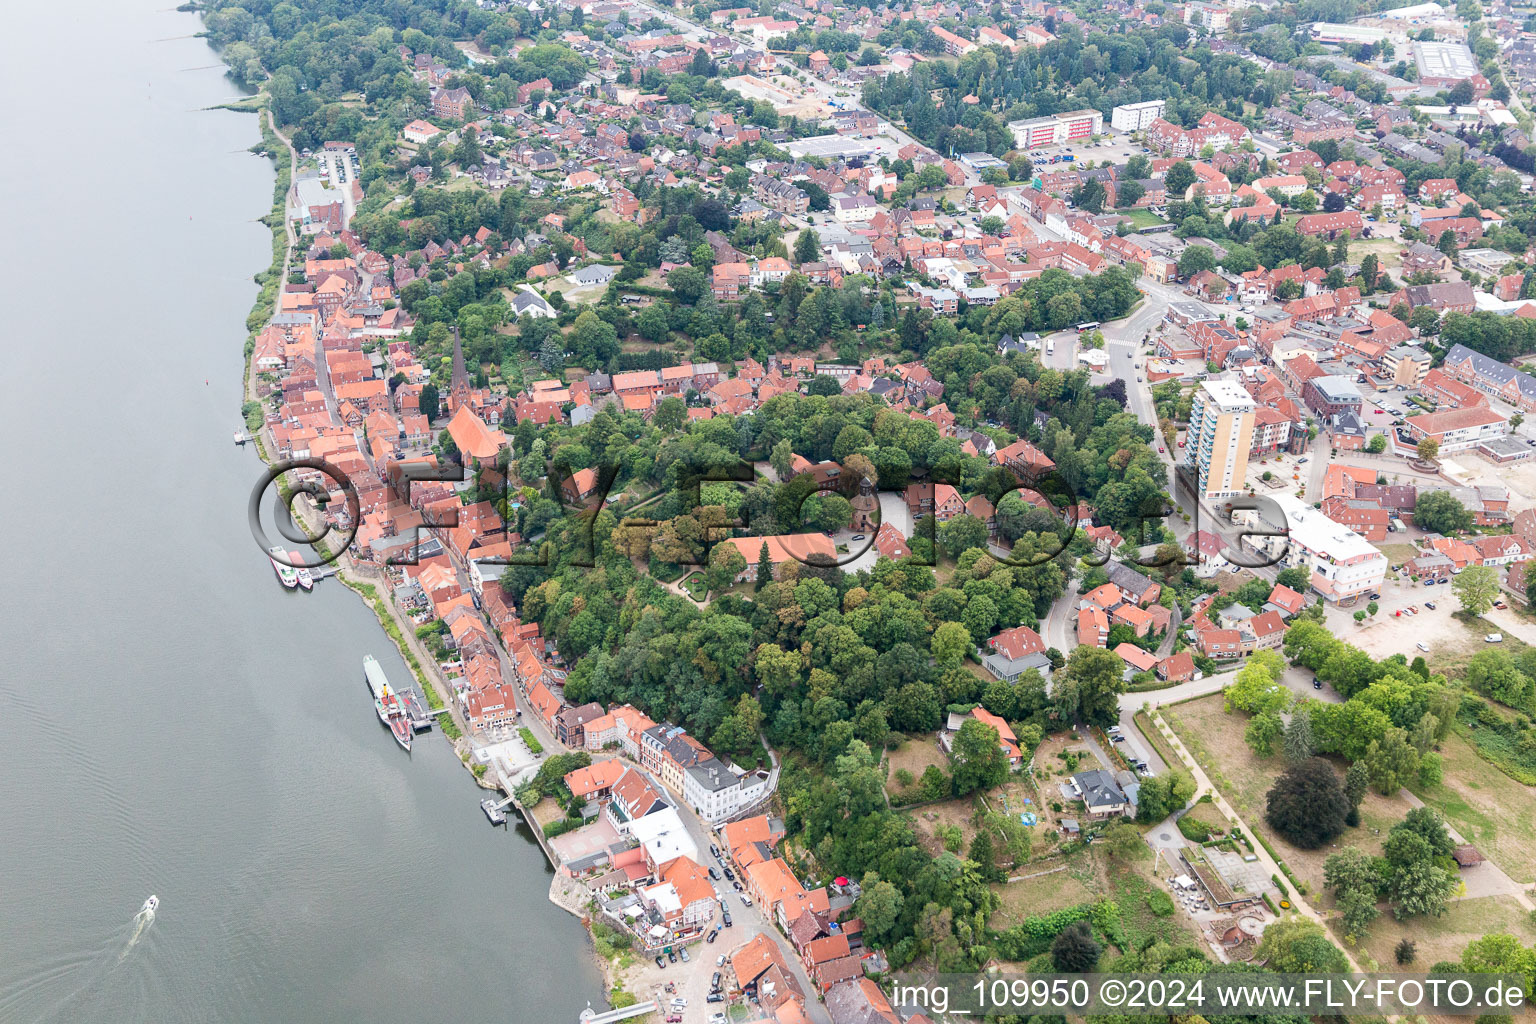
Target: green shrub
534	746
1194	831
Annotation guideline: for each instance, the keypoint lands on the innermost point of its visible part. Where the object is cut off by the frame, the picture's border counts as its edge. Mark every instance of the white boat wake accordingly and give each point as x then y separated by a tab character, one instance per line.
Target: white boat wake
141	922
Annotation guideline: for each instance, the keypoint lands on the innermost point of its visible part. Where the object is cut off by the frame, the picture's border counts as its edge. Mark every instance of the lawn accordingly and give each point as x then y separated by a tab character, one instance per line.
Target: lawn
1439	938
1490	809
1151	734
1215	739
914	756
1141	218
694	584
1040	895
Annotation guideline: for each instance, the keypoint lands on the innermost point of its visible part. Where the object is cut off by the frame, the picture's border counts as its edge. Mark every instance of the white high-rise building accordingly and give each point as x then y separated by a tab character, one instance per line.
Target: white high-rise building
1220	434
1133	117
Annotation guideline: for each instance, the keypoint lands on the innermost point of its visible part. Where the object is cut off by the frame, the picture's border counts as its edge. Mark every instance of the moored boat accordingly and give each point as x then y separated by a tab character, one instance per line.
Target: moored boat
306	578
285	572
493	811
391	709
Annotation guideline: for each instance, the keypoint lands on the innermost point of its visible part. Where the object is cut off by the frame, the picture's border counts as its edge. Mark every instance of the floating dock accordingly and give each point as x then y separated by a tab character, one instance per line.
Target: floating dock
493	811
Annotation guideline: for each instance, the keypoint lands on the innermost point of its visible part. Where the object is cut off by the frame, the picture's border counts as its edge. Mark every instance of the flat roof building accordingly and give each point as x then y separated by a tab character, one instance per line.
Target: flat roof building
1443	63
1220	435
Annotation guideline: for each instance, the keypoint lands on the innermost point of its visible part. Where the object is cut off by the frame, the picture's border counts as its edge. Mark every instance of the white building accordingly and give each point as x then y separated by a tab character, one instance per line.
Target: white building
1344	564
1077	126
1442	64
716	793
1133	117
1354	35
1220	435
854	209
664	837
1211	17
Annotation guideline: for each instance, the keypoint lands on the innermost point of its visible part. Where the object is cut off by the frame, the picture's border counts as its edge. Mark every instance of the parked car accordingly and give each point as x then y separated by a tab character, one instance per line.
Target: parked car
719	961
661	963
1423	646
711	937
1430	605
671	957
714	982
1494	638
730	874
1317	684
714	874
684	954
714	997
727	919
747	900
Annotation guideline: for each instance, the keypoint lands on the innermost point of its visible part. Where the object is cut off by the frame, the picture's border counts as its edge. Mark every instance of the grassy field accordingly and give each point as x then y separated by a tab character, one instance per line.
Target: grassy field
914	755
694	584
1141	218
1153	736
1398	553
1215	738
1491	810
1439	938
1039	896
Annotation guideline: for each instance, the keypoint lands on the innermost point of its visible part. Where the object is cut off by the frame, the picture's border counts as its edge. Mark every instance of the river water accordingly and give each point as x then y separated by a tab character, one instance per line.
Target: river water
174	722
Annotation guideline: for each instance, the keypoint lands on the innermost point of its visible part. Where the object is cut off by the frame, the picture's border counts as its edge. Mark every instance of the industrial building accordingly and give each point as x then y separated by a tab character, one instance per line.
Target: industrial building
1443	64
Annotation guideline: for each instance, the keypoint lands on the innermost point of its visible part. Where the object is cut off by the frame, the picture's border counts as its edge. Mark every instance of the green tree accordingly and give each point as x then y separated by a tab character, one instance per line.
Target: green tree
1477	586
1440	511
962	533
1352	875
1421	887
985	856
653	323
1178	178
978	757
1194	259
764	568
430	403
808	246
1089	687
1357	779
951	643
878	906
1377	444
1075	950
1298	743
1299	945
1306	805
1262	731
1391	761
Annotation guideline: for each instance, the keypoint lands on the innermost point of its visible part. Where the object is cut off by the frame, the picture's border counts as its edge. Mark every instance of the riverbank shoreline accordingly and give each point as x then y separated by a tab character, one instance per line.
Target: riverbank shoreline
270	280
364	582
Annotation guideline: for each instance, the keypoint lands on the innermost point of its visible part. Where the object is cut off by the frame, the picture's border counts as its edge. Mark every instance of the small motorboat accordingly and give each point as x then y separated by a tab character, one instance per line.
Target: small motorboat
150	905
306	579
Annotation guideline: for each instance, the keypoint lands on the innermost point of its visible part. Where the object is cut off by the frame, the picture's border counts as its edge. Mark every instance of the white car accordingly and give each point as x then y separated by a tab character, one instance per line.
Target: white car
1423	646
747	900
1491	638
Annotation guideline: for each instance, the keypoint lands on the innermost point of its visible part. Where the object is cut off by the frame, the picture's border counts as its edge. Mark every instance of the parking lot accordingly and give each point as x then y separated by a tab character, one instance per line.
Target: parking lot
1111	148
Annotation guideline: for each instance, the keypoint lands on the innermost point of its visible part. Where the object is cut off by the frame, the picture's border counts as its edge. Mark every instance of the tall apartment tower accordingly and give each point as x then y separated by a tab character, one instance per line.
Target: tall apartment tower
1220	435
